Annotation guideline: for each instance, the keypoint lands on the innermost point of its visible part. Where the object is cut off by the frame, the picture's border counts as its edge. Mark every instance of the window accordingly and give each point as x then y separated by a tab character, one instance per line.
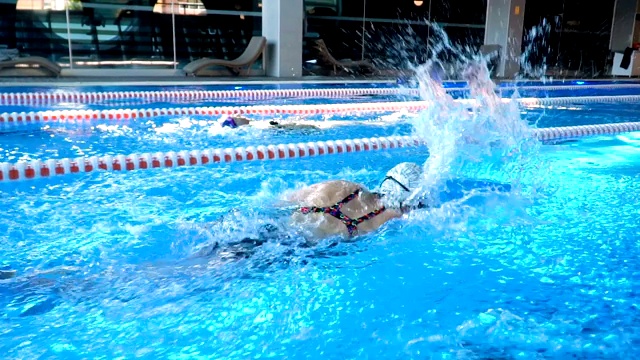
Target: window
48	5
184	7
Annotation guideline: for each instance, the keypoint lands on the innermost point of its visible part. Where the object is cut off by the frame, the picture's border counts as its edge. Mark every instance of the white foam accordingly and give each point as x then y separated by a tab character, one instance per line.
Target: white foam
463	143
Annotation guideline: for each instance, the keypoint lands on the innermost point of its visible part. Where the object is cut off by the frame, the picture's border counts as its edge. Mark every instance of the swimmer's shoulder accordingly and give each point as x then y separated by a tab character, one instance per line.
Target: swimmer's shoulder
325	190
338	186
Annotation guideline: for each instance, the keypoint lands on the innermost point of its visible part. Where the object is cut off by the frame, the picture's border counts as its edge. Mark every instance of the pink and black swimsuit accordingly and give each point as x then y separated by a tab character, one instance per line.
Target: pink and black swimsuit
336	211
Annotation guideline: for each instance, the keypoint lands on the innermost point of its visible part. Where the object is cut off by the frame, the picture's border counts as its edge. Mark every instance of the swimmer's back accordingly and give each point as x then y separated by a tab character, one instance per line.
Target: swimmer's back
323	194
329	193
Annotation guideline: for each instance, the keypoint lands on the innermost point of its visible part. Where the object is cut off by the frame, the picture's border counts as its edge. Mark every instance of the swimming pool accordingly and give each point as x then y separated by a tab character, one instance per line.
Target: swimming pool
547	271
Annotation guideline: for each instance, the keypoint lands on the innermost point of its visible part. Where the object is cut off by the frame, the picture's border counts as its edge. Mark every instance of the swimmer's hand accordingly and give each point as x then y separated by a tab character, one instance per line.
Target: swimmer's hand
7	274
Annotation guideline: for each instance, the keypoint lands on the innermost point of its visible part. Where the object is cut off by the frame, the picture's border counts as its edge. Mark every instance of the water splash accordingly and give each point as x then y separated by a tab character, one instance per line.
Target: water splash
533	60
482	137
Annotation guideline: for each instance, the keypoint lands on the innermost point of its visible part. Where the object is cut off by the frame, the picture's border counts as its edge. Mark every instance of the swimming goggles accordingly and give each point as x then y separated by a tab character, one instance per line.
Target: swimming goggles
420	205
395	181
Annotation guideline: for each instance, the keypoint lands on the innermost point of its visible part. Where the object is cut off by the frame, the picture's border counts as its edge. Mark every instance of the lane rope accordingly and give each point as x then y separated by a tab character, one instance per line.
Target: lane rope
271	110
193	95
35	98
25	170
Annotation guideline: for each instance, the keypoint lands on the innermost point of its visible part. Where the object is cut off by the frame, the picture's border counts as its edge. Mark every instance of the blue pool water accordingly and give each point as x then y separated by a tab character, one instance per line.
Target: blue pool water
546	271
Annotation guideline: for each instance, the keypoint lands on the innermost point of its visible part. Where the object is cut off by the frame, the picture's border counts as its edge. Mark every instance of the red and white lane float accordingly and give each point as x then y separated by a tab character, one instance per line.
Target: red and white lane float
272	110
264	110
24	170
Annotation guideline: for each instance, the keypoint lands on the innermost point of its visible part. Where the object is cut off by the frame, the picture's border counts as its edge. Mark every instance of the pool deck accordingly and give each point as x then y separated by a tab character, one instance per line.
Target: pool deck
173	80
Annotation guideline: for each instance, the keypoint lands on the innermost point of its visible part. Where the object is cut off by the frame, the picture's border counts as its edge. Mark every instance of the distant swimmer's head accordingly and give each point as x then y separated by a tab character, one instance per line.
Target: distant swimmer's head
400	183
228	121
233	121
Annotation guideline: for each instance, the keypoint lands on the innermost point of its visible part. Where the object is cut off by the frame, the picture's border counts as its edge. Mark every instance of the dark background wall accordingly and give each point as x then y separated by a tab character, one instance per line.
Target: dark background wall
570	34
575	34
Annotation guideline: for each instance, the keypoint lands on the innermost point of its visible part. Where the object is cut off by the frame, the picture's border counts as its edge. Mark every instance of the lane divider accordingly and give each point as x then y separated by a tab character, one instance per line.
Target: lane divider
577	100
29	98
193	95
24	170
570	87
271	110
572	132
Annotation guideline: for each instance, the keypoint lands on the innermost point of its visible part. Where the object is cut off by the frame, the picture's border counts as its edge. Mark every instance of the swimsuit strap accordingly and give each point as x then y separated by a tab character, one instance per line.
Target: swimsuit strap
369	216
335	211
333	208
349	197
352	224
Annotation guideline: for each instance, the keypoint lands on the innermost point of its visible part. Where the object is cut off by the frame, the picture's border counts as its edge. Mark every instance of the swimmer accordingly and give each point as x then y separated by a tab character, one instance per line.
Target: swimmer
345	210
337	208
348	209
234	122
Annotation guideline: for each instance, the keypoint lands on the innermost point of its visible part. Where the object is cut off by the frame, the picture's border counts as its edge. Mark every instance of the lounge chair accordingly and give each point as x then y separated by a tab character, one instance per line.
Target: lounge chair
253	51
345	64
490	50
29	66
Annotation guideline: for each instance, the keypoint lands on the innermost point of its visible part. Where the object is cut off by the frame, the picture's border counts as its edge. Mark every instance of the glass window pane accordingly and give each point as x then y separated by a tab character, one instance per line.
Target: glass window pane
218	36
129	33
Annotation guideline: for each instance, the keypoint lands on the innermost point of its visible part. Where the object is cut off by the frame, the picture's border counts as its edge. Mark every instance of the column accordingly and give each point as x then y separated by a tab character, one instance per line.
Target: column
282	26
623	26
504	27
625	31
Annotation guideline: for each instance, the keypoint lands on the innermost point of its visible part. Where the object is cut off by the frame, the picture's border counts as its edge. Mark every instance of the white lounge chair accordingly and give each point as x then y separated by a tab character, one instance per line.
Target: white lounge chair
253	51
29	66
345	64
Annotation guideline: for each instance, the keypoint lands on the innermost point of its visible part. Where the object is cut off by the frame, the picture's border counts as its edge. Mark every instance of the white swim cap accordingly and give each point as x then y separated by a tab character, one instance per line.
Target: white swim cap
400	183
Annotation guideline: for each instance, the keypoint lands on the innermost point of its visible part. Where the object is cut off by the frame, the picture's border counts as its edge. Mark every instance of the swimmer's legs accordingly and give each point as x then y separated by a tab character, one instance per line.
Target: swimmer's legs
245	247
7	274
294	248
